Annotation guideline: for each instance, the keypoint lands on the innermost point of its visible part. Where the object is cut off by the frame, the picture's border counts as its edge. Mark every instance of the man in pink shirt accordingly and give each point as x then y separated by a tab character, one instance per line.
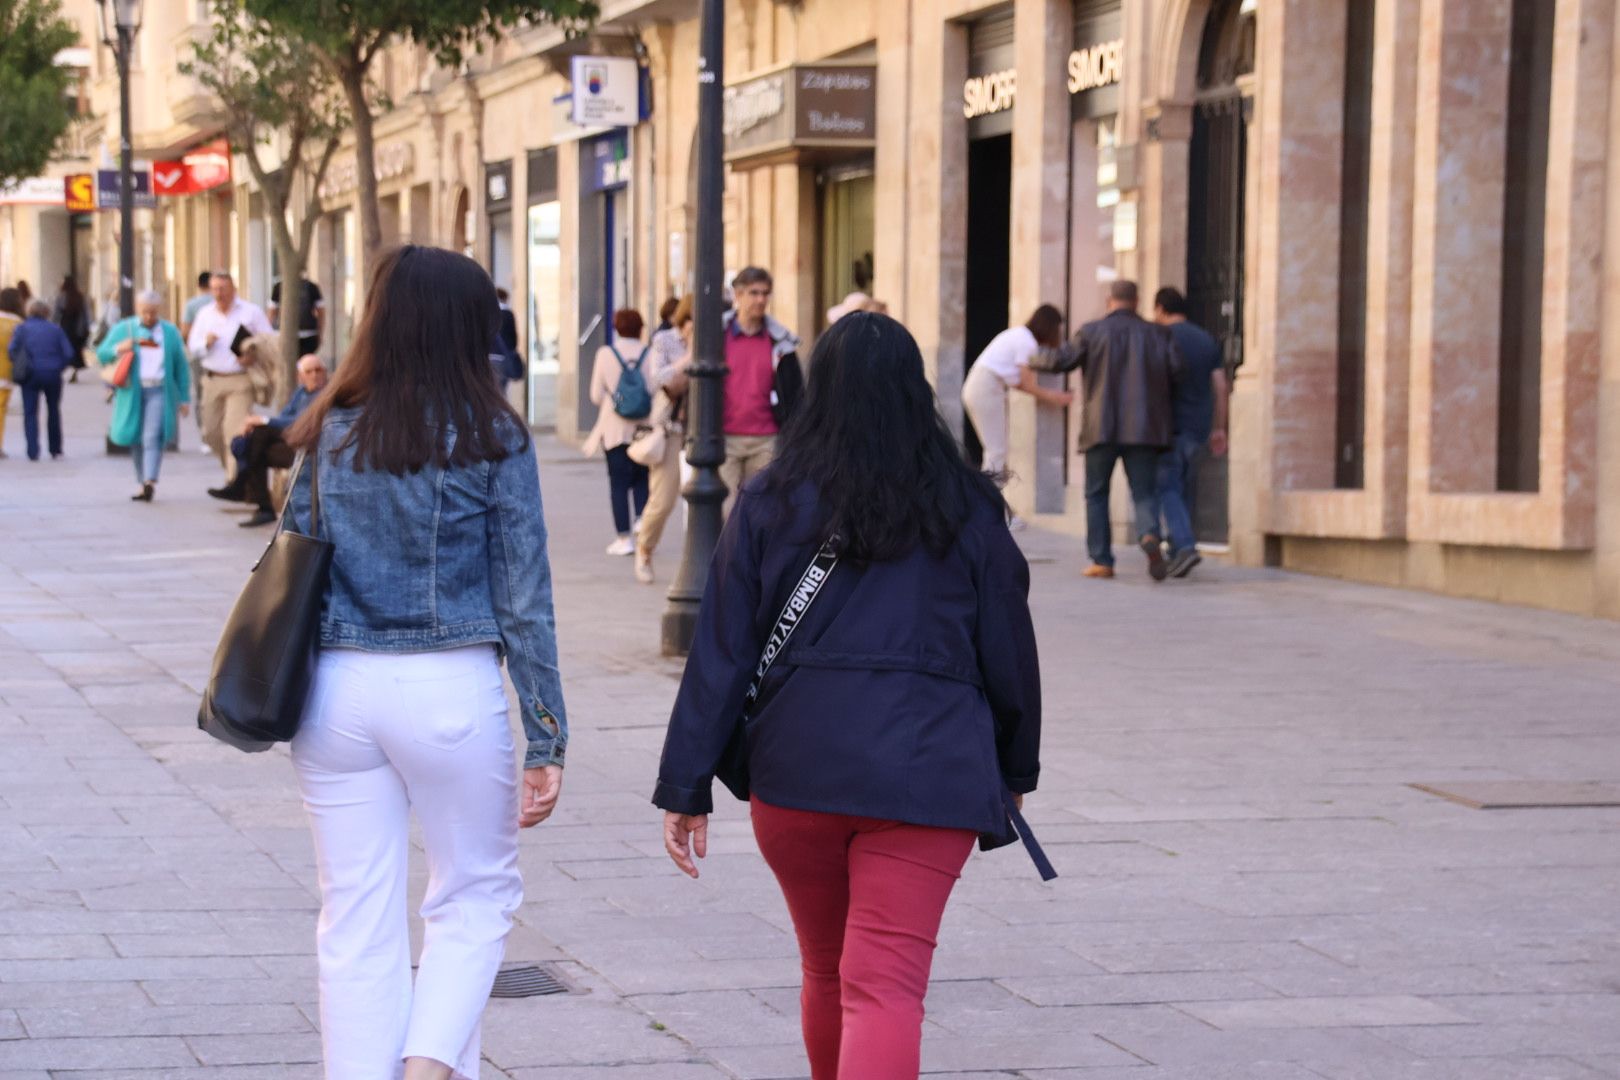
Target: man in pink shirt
763	382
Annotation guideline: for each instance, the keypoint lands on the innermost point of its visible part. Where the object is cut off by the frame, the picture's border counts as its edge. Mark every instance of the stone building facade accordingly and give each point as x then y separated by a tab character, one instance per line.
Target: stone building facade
1400	217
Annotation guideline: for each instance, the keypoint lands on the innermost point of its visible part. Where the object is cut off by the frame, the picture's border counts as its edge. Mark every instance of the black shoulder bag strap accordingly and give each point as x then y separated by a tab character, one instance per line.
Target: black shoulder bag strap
798	602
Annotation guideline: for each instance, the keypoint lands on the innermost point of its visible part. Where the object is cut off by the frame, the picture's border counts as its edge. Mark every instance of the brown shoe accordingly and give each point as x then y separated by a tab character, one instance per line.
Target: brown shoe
1098	570
1154	550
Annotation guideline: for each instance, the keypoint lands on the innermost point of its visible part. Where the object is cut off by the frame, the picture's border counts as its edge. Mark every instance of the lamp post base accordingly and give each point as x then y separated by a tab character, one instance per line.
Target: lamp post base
679	627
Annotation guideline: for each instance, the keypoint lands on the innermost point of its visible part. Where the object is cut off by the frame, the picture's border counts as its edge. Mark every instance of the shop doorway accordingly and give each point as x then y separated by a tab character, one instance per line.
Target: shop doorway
1218	190
989	259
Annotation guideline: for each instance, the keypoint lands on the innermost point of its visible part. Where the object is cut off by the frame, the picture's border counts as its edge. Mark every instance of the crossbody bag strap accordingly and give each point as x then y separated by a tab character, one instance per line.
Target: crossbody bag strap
798	602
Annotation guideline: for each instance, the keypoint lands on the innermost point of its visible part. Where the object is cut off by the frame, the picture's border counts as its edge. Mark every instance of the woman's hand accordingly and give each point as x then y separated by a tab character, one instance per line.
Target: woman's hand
541	787
686	835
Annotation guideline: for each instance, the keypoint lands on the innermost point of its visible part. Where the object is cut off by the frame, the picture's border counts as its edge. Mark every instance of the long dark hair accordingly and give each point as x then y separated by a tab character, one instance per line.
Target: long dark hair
72	298
420	363
868	436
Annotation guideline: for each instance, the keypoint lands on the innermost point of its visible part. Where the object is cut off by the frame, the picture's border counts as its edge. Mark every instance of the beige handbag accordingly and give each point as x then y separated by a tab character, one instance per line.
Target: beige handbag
651	441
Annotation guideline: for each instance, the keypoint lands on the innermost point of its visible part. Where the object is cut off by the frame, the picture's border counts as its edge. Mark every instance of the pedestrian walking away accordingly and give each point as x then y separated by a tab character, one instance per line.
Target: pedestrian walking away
1128	366
1199	407
1004	365
623	401
72	313
11	317
311	314
156	390
407	711
40	352
217	334
508	362
203	297
868	575
262	446
763	381
667	364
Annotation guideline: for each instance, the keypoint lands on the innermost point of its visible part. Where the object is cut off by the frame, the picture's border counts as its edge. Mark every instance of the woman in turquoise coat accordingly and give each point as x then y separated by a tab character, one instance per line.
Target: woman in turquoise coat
146	407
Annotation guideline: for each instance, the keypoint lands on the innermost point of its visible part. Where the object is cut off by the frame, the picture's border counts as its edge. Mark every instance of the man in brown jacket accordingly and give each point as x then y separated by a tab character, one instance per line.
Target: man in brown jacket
1129	366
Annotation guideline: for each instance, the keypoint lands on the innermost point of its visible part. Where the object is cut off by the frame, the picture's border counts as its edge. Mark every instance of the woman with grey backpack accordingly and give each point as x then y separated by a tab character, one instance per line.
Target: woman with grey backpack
619	392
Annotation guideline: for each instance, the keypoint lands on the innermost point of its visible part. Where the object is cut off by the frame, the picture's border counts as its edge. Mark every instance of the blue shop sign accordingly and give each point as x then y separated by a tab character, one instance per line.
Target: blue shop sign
610	164
107	190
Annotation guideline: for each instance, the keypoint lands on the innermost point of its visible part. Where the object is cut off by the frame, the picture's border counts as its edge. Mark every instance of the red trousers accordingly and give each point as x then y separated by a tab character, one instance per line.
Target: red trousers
866	898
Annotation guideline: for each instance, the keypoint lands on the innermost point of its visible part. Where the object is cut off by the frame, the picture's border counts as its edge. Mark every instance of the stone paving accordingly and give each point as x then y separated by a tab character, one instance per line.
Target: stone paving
1251	889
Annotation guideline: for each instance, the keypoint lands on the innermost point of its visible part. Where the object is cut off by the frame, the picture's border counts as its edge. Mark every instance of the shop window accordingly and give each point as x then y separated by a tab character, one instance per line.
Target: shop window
1356	161
847	228
1524	246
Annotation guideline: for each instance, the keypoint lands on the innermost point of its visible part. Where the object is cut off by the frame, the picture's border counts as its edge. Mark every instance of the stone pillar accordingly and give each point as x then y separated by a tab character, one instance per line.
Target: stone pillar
1607	554
891	197
1457	243
572	369
1039	232
937	192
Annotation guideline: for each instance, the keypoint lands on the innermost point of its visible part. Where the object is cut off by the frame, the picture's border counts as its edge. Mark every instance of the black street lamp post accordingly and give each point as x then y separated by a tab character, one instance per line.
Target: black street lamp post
706	444
120	22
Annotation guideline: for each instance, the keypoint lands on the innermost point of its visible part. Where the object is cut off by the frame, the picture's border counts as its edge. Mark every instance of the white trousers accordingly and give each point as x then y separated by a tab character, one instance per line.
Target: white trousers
984	398
385	734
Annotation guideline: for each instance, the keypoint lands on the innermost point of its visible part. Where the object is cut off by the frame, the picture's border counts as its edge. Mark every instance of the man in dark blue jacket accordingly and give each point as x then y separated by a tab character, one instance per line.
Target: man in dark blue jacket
43	351
262	446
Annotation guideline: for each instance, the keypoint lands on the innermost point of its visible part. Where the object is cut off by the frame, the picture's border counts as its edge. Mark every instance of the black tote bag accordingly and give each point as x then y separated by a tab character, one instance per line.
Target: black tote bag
266	656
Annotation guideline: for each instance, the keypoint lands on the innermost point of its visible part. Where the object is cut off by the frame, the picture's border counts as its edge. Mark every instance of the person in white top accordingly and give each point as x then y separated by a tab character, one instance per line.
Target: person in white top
613	433
147	404
1004	364
227	392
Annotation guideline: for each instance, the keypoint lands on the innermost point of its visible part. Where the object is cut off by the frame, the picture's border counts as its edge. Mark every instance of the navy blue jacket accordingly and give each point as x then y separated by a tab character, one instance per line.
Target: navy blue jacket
48	348
910	692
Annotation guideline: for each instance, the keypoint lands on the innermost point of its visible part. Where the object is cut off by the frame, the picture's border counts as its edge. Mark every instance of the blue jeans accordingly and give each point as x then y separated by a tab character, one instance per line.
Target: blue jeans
147	449
1141	471
1178	491
50	387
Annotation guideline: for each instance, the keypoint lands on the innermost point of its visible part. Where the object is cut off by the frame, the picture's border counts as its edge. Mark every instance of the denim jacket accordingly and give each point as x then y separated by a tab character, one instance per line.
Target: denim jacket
439	559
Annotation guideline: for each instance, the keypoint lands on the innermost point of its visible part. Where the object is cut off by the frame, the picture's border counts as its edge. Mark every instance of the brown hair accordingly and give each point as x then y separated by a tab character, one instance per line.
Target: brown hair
627	322
683	312
420	365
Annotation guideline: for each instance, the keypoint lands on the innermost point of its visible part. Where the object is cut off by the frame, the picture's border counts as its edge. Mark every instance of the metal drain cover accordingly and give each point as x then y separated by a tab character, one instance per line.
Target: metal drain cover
527	980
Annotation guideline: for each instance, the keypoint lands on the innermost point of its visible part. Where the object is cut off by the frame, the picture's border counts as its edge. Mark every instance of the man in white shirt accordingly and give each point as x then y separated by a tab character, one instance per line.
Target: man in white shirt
227	392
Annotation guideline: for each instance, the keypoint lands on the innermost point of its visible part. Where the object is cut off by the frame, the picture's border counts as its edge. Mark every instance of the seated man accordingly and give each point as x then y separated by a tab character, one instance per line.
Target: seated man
260	447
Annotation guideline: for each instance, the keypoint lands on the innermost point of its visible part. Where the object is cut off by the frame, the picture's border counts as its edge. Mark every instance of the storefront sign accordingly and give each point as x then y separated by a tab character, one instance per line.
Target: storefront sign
203	169
1096	67
107	190
607	91
799	110
79	193
753	103
986	95
610	165
393	160
497	185
36	191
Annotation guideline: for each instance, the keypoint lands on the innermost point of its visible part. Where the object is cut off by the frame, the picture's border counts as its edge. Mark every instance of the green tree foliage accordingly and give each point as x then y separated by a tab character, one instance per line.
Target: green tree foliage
348	35
35	108
283	111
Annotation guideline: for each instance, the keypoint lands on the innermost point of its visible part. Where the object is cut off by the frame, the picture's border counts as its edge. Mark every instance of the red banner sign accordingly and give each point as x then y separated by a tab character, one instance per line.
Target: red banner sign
207	167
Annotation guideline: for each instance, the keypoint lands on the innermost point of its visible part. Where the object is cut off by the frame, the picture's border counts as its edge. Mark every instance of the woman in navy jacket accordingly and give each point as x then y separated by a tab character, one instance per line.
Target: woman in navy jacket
901	720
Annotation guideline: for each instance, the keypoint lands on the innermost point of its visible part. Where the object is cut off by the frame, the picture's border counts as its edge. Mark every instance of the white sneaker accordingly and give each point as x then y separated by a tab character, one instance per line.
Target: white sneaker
622	546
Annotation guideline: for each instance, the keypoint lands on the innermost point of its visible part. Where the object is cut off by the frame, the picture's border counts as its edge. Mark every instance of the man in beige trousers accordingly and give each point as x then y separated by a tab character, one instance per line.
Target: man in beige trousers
227	391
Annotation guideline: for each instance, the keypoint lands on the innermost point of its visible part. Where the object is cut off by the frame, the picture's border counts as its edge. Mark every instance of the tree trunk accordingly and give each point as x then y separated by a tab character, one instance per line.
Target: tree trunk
353	77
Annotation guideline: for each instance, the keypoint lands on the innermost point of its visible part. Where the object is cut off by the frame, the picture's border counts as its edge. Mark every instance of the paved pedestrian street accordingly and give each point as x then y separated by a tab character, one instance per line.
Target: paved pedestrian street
1252	887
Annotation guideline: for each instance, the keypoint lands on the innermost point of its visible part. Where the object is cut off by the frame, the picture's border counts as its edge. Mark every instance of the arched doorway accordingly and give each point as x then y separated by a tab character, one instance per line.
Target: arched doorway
1217	192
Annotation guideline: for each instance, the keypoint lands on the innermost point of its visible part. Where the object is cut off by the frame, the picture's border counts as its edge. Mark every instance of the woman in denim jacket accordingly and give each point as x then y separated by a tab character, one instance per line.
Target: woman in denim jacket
429	491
